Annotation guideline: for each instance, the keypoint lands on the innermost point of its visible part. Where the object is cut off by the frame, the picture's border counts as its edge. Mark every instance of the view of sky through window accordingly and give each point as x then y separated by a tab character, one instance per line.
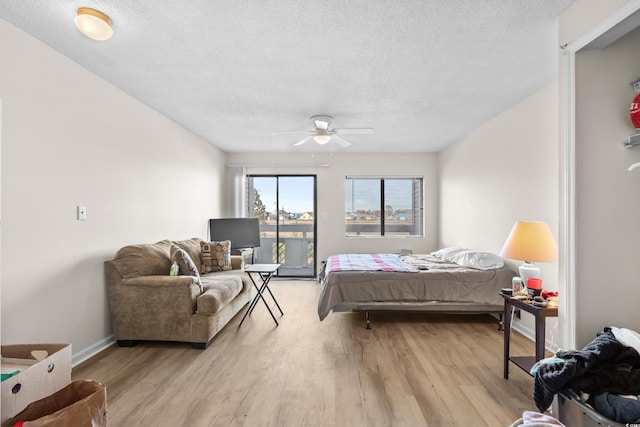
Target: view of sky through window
364	194
296	193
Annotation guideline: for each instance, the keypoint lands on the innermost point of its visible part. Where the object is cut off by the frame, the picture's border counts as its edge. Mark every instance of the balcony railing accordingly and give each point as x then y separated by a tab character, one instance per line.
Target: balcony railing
296	251
373	229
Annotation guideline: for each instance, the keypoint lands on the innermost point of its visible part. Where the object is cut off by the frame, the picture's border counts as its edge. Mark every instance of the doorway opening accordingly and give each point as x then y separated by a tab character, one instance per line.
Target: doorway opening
286	208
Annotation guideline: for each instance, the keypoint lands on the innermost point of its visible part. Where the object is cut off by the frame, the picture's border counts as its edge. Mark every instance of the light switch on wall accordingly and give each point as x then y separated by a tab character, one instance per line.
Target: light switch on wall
82	213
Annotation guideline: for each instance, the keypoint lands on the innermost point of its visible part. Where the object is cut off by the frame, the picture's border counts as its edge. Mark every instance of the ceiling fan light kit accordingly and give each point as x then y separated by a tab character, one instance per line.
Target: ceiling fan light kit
323	133
322	138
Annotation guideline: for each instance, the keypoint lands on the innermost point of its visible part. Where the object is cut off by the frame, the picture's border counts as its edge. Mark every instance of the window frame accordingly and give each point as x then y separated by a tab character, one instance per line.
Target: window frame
382	232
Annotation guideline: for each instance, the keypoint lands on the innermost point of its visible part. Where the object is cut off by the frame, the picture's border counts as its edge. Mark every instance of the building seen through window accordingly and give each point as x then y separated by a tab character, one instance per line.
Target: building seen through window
378	206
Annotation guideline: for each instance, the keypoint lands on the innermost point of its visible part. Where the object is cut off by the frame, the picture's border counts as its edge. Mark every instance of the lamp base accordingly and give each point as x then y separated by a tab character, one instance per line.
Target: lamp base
528	270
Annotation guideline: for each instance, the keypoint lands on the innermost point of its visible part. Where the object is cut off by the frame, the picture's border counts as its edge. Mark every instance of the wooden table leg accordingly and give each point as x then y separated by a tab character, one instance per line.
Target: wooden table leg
540	337
507	337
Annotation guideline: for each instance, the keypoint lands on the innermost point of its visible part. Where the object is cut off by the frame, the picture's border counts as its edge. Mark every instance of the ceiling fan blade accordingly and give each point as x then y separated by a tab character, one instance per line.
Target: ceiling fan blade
302	141
340	140
353	130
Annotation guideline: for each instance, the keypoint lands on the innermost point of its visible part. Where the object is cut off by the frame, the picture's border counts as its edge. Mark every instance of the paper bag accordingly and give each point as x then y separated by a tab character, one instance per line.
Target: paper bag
81	403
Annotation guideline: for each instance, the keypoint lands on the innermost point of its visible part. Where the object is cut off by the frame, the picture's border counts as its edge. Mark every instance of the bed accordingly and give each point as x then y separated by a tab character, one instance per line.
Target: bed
451	280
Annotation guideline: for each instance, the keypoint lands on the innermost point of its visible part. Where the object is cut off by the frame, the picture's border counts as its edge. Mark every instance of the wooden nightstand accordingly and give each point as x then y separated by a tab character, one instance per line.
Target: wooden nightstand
540	314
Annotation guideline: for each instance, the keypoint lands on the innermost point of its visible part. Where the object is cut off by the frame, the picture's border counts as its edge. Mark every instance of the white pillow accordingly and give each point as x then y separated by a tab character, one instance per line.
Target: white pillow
445	253
475	259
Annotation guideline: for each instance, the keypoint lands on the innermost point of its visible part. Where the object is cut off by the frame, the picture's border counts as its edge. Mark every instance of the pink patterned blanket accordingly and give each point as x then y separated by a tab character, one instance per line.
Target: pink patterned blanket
368	262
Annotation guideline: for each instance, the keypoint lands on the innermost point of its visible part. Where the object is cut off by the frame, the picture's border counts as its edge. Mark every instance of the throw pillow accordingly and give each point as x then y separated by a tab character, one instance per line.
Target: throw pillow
216	256
185	263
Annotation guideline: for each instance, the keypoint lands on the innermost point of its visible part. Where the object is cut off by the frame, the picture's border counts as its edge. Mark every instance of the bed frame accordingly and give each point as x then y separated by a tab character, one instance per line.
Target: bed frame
420	308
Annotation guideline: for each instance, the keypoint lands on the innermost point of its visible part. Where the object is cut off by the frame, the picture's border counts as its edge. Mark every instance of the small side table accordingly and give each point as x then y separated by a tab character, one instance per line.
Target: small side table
540	314
265	272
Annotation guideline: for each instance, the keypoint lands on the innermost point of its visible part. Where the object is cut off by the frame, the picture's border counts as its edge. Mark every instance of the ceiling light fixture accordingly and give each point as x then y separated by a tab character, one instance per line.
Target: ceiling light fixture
321	138
94	24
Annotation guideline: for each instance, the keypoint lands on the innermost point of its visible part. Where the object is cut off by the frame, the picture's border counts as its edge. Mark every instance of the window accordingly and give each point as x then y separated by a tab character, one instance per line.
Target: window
384	207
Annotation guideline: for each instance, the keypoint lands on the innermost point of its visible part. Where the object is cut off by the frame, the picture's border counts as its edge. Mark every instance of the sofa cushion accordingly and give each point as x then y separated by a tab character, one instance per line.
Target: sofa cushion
192	247
144	260
219	291
185	263
216	256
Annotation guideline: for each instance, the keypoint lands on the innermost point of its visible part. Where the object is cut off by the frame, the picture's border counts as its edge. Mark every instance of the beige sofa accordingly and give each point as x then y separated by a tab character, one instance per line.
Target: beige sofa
146	303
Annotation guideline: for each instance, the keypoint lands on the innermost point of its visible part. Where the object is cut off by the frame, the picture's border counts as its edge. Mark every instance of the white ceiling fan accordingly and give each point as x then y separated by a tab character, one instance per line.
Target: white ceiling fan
322	132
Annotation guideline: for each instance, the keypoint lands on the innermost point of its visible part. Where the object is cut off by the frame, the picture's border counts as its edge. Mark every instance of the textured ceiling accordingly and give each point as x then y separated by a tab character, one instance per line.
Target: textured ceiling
422	73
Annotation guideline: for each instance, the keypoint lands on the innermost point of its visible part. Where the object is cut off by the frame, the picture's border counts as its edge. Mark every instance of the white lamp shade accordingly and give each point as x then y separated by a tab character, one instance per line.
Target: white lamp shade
94	24
322	138
530	241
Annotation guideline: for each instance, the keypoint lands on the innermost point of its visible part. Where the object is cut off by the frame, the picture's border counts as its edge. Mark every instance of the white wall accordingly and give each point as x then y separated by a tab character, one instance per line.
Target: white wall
607	195
583	15
331	193
68	139
504	171
0	216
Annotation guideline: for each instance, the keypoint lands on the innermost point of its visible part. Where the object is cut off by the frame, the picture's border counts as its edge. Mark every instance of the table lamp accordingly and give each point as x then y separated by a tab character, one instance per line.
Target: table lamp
530	241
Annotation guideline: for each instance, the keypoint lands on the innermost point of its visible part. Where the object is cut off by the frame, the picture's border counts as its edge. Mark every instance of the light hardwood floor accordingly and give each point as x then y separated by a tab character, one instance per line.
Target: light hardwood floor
409	370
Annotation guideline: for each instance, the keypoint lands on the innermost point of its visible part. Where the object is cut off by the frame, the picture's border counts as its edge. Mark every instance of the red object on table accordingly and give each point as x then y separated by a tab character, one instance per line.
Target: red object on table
634	112
534	283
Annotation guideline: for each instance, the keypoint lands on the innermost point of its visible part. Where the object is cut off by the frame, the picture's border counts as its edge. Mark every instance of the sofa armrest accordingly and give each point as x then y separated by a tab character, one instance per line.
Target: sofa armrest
161	292
155	307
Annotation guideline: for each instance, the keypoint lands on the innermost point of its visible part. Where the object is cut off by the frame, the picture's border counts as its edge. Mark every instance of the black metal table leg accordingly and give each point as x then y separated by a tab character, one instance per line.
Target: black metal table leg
265	277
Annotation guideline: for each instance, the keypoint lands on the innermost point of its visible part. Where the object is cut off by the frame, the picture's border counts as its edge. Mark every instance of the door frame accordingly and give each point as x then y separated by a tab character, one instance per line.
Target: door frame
315	211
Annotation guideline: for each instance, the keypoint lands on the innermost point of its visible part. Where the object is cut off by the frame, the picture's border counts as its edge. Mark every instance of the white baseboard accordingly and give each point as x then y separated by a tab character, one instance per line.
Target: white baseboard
81	356
527	332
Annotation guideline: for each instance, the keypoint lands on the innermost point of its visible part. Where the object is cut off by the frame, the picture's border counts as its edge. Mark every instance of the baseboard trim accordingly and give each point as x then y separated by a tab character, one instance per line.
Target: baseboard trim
89	352
527	332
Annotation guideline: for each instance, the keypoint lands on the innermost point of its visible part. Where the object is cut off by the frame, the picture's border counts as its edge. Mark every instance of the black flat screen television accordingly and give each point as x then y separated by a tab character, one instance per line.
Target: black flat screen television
243	232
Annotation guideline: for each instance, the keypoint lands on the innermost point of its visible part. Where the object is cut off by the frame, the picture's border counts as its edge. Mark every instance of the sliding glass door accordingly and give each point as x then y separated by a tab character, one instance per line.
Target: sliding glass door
286	207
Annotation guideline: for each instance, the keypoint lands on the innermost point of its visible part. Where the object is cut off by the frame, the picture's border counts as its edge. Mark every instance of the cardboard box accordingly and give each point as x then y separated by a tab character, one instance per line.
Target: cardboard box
36	379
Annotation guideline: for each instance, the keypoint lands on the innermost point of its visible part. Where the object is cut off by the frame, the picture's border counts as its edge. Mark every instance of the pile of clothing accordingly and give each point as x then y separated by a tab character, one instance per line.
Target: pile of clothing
606	373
